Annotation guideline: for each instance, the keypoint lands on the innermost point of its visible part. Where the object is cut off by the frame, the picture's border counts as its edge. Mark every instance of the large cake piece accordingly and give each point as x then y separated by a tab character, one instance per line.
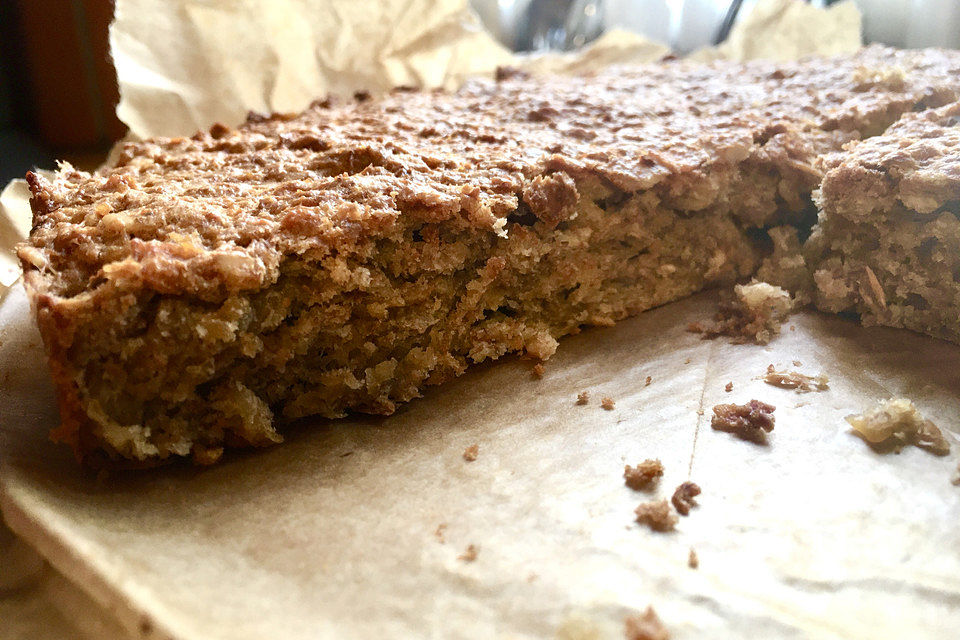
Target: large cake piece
198	292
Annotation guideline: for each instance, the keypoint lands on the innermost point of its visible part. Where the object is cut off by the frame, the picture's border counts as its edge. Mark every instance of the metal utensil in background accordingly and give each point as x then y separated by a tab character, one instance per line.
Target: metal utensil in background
540	25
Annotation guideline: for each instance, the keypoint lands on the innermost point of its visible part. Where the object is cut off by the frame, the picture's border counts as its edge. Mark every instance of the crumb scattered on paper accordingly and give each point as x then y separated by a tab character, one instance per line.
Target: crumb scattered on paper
684	497
204	456
538	370
729	387
583	397
755	314
693	560
439	532
751	421
607	403
470	453
657	515
644	475
646	627
795	380
896	423
470	554
797	363
955	480
647	382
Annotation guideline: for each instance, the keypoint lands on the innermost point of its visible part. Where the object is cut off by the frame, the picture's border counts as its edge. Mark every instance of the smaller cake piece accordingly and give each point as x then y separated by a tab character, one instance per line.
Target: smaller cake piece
753	314
888	241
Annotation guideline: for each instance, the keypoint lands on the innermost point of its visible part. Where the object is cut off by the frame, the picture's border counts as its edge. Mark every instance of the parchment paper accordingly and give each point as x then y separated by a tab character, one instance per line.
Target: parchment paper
334	534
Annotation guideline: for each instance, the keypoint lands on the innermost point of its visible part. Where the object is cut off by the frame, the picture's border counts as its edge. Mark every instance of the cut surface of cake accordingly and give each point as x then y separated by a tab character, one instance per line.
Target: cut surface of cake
198	292
888	242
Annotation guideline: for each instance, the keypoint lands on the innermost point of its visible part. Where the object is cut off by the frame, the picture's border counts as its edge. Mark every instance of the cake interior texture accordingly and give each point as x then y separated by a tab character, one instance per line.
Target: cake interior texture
199	292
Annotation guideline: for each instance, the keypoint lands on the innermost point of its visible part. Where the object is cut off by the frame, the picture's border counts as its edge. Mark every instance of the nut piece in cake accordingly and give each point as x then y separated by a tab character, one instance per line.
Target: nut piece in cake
646	627
755	314
801	383
644	475
896	423
751	421
684	497
657	515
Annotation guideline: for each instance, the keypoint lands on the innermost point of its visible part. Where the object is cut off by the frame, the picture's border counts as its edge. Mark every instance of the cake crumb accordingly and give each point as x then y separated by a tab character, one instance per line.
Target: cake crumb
955	480
439	532
644	475
693	560
755	313
657	515
204	456
646	627
751	421
583	397
538	370
797	363
470	554
647	382
607	403
896	423
470	453
799	382
729	387
683	497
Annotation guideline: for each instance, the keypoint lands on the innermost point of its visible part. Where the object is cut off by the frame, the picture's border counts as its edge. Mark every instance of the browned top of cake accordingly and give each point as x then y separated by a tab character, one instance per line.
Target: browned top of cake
915	163
217	212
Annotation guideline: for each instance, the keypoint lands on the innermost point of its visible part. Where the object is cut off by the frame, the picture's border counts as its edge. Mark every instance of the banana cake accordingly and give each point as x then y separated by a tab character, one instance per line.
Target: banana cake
197	293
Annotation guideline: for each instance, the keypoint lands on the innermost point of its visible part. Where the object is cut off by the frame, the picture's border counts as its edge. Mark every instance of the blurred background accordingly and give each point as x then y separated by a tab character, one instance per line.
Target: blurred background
58	89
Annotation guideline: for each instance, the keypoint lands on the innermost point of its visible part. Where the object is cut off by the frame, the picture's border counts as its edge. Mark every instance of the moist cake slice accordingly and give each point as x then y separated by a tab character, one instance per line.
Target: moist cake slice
888	242
200	291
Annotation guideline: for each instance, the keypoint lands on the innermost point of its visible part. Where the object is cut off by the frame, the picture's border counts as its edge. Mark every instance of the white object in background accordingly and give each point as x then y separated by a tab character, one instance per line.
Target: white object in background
911	23
934	23
698	24
885	20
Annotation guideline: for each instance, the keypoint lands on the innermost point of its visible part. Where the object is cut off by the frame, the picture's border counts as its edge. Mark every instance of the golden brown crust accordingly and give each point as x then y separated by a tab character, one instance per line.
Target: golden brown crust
216	212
